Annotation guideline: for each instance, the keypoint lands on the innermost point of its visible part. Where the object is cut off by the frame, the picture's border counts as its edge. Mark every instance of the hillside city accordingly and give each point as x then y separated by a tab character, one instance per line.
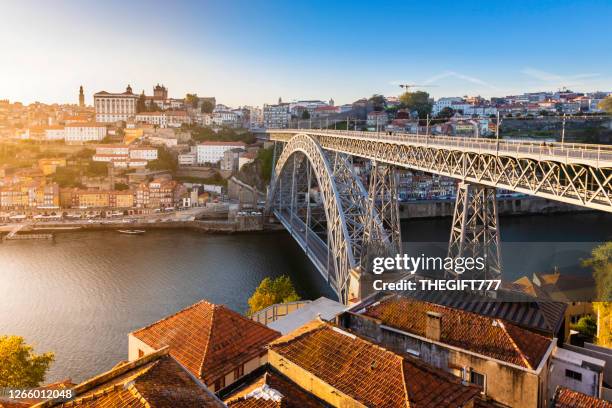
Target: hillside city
133	154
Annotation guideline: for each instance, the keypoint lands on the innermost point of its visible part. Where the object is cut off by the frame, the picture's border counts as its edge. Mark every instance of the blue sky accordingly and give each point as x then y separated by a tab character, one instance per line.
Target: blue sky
252	52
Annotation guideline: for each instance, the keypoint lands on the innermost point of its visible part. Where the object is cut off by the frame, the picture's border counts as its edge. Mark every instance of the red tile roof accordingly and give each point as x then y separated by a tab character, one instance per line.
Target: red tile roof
368	373
155	380
209	340
484	335
274	390
566	398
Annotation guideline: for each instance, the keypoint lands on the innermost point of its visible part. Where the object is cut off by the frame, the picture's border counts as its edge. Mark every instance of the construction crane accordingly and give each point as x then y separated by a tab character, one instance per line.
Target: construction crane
408	86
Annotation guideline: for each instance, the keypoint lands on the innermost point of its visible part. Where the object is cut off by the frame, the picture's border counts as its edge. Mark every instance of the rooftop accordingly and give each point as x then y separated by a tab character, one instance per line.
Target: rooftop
155	380
368	373
208	339
480	334
324	307
566	398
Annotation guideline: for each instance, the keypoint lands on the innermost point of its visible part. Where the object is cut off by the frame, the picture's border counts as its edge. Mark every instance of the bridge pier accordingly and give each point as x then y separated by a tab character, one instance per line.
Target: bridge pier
475	230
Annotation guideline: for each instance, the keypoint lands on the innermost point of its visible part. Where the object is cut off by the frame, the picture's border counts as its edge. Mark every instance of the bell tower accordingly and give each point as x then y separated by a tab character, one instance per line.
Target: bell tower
81	97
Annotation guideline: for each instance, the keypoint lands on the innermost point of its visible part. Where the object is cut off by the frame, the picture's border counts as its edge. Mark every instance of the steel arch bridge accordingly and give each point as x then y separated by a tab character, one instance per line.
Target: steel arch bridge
357	223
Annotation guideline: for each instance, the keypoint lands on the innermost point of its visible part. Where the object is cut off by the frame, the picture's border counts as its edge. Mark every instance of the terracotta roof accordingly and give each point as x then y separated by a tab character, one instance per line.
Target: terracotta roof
566	398
155	380
368	373
269	388
209	340
484	335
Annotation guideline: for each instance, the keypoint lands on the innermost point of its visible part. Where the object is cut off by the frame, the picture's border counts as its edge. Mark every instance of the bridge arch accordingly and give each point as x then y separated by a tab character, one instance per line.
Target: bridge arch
344	200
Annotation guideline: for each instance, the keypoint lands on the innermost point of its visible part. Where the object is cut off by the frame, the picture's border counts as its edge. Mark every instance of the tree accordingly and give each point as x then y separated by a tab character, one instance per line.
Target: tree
272	291
207	107
378	102
446	113
606	104
19	366
191	99
587	326
141	105
121	186
417	101
601	263
305	114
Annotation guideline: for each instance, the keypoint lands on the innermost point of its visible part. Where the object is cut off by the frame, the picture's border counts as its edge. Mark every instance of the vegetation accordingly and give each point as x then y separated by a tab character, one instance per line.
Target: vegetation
20	367
272	291
587	326
601	263
446	113
121	186
191	99
378	102
207	107
203	134
606	104
305	115
216	180
265	157
165	161
417	101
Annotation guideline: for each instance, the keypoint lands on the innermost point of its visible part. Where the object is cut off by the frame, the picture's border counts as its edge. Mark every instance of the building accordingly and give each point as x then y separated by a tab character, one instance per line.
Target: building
158	119
212	152
55	133
78	133
344	370
566	398
510	364
143	153
246	158
231	159
81	97
187	159
377	119
216	344
575	371
444	103
114	107
156	380
276	116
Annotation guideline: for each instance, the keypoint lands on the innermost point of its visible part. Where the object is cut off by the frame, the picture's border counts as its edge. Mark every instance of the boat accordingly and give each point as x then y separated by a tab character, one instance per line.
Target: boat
131	231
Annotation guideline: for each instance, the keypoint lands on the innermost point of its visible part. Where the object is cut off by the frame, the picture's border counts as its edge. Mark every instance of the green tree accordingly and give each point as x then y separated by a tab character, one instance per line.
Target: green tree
587	326
192	99
417	101
265	156
121	186
601	263
20	367
305	114
606	104
141	105
165	161
272	291
207	107
446	113
378	102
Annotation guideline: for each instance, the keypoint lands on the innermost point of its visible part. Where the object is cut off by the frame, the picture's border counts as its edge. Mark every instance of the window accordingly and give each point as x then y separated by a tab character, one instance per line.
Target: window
220	383
239	371
573	375
140	353
477	379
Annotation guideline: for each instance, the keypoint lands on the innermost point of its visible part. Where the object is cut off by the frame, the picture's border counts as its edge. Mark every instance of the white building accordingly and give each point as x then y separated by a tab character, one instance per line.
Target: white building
158	119
84	132
445	103
113	149
212	152
187	159
55	133
113	107
143	153
225	118
575	371
177	118
276	116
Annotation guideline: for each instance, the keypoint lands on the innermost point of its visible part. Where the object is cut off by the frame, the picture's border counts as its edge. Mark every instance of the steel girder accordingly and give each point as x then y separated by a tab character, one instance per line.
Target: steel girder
475	230
573	183
344	197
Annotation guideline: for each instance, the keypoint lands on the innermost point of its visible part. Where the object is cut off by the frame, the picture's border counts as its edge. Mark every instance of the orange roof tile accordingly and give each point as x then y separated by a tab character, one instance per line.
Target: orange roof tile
480	334
368	373
155	380
566	398
209	340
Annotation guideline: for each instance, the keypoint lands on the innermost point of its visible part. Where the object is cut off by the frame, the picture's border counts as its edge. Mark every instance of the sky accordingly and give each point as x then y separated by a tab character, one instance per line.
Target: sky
253	52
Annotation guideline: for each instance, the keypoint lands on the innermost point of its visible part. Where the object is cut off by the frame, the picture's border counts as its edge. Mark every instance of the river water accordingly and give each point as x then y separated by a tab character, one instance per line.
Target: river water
81	294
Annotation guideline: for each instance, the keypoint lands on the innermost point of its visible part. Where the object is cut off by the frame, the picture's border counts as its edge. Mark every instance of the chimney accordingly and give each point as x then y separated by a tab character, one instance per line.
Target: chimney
433	323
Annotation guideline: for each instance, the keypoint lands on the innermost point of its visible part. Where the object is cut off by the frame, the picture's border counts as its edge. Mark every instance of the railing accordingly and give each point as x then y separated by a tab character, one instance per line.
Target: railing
600	154
278	310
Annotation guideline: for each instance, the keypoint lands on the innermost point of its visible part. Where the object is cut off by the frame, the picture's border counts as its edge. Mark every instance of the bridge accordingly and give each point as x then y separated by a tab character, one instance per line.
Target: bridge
316	193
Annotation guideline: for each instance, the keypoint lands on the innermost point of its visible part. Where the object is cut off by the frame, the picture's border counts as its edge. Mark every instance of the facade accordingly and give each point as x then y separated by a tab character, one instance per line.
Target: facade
377	119
509	364
276	116
158	119
216	344
575	371
55	133
143	153
187	159
212	152
231	158
84	132
114	107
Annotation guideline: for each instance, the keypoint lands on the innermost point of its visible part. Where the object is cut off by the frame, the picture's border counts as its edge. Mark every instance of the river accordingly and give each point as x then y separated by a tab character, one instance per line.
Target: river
82	293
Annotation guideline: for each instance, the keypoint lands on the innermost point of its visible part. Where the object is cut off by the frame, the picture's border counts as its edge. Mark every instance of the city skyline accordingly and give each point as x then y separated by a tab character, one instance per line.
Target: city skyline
251	54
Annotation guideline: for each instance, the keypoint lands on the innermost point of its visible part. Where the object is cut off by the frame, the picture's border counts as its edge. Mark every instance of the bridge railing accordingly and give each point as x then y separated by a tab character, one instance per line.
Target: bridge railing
601	155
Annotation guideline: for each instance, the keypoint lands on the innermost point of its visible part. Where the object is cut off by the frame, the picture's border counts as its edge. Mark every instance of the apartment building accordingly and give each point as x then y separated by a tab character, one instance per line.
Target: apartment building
212	152
78	133
276	116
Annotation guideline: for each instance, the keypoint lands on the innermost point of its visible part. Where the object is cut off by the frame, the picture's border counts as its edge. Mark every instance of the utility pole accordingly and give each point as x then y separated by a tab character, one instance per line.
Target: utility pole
563	131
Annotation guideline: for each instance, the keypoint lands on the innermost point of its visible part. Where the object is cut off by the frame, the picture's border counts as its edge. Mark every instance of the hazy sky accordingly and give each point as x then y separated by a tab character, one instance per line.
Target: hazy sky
251	52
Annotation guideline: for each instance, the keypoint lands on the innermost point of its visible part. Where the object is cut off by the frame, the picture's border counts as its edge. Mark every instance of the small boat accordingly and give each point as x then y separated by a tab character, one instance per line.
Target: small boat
132	231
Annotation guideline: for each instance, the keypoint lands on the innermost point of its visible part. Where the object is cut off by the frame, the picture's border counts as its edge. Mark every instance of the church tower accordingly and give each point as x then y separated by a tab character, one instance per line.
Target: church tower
81	97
